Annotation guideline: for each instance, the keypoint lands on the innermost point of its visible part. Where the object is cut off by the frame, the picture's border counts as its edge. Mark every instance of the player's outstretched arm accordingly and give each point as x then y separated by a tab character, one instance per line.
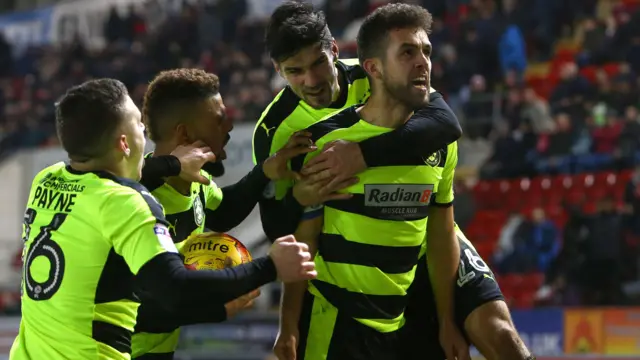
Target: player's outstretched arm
293	293
142	239
185	161
227	207
238	200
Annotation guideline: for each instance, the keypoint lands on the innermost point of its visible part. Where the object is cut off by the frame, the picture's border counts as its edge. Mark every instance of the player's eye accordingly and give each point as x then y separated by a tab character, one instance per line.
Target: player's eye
320	61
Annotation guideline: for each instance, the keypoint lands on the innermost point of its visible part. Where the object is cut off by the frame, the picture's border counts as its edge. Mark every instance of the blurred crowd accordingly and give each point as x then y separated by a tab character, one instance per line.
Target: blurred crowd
484	53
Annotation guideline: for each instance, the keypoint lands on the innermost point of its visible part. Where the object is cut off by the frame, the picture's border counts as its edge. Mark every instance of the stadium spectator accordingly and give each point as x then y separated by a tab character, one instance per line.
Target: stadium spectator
605	137
572	89
536	111
530	246
545	240
602	251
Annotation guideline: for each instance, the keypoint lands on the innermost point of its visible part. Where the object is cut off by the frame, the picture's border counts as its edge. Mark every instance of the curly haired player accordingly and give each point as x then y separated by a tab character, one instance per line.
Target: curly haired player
180	107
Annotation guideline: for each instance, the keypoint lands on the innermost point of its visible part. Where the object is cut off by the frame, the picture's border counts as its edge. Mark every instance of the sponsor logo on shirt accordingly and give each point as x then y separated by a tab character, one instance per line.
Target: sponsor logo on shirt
383	195
267	130
398	201
162	232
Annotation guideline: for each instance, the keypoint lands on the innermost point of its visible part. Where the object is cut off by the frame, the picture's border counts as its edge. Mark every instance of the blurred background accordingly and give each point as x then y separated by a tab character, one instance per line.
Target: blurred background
548	183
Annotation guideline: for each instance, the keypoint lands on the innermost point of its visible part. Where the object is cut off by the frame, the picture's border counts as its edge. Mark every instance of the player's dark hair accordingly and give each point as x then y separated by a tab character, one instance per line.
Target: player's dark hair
372	36
87	117
293	26
170	96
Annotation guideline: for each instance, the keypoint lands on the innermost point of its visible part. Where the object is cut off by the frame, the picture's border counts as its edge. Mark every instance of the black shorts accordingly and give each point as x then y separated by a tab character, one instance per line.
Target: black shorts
475	286
326	333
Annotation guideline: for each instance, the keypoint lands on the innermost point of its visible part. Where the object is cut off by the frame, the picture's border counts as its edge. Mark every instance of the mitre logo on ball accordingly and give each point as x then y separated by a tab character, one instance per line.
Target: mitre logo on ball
214	251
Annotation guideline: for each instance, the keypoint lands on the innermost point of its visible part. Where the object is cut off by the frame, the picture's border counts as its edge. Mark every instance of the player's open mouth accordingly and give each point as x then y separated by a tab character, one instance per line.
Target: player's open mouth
420	83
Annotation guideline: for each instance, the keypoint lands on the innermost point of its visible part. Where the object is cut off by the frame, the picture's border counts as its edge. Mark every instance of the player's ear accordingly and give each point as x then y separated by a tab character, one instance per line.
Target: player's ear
276	66
373	67
123	145
182	134
335	51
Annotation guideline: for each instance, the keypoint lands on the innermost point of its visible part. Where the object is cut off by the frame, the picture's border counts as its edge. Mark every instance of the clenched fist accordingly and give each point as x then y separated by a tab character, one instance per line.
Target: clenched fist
292	259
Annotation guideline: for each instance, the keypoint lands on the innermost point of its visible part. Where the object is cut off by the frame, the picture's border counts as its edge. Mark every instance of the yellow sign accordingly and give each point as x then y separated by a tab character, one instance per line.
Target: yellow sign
622	331
583	331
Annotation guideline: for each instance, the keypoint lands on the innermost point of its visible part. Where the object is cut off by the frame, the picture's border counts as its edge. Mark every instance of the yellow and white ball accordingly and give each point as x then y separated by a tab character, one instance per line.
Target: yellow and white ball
211	250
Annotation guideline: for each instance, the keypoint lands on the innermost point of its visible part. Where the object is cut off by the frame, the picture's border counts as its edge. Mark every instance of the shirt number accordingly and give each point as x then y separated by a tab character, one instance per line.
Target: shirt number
43	245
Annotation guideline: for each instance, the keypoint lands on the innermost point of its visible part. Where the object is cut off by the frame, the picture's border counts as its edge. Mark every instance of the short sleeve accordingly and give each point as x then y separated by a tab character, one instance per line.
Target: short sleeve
213	193
444	196
134	222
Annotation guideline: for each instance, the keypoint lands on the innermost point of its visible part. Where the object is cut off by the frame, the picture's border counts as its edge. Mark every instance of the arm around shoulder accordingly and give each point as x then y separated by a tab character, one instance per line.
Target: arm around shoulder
429	129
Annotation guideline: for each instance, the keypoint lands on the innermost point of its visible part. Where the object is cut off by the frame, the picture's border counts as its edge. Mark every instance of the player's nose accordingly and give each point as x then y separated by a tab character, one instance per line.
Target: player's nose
422	61
312	81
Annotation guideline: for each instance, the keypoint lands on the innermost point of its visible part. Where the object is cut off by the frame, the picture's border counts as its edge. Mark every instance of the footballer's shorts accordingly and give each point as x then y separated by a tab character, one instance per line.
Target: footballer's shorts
475	286
328	334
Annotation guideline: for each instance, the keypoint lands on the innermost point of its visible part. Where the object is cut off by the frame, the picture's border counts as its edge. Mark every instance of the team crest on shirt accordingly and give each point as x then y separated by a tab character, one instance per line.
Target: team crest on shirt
198	211
434	159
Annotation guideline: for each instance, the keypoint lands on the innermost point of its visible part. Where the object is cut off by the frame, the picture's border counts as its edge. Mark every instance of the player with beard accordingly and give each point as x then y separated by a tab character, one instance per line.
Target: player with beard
367	246
305	54
480	311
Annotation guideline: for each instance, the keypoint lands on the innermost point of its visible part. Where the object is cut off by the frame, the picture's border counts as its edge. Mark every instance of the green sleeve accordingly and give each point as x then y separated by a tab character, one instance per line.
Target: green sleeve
253	141
444	195
213	193
135	224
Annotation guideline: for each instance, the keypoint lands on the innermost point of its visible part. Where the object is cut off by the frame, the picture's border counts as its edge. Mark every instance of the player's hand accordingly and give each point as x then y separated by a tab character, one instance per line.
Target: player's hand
339	160
309	191
242	303
192	157
292	260
276	167
286	344
453	343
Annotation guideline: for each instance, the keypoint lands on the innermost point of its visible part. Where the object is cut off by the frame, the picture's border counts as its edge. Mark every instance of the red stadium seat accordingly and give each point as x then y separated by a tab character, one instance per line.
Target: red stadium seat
612	69
606	178
485	250
511	281
542	191
524	300
533	281
589	73
485	193
625	176
589	208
